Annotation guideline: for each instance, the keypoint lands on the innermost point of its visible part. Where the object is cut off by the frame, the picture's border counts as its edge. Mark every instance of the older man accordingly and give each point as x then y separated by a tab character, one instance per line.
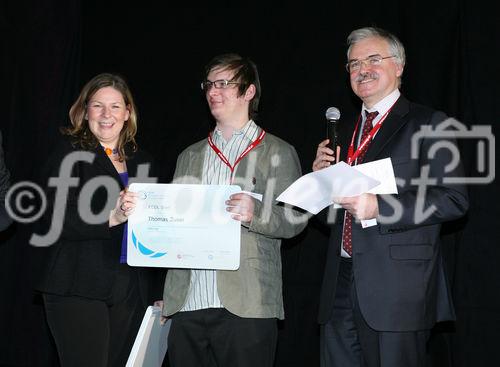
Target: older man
384	286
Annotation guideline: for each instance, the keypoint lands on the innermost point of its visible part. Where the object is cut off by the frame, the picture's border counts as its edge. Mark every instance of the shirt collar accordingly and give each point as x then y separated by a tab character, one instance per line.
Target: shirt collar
250	125
383	105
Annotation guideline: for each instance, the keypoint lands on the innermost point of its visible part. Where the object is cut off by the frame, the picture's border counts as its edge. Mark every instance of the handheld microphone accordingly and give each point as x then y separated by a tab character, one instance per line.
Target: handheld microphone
332	117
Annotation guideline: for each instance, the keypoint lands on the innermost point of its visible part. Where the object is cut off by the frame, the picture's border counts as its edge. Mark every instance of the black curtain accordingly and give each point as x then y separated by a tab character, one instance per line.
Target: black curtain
50	49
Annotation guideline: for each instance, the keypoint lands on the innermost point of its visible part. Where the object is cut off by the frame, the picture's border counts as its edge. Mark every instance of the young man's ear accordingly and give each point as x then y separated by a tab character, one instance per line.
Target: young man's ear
250	92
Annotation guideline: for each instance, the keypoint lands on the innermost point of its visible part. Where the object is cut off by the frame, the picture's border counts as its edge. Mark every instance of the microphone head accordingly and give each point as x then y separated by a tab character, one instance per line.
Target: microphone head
332	113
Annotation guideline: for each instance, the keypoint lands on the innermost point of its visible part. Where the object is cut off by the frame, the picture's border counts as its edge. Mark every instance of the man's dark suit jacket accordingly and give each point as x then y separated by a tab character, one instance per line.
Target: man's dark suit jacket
398	268
5	220
85	258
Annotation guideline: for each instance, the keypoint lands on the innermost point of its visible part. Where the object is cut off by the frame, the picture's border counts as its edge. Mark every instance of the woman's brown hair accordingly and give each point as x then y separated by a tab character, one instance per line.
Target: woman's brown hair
80	131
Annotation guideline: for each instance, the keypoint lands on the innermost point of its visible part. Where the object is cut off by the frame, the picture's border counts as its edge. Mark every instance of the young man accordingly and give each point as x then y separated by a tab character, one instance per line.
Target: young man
384	286
229	317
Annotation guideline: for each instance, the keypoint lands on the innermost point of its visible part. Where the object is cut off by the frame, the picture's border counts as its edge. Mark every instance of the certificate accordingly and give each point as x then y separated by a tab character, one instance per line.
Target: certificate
183	226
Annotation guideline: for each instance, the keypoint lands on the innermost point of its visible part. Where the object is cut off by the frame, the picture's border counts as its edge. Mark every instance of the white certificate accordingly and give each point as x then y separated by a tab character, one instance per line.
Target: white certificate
183	226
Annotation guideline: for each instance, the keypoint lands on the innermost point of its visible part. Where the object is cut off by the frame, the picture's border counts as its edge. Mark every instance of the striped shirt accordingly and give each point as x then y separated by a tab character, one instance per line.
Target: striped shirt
203	286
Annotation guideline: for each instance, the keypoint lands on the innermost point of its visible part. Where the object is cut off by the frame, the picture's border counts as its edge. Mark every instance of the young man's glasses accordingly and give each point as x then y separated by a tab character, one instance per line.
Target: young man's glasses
218	84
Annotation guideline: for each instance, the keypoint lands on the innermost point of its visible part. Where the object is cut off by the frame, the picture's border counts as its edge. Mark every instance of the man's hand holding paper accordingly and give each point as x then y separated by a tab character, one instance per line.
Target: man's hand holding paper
352	187
362	207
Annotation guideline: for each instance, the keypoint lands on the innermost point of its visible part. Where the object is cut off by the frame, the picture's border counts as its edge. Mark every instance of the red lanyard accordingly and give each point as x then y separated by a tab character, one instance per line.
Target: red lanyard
353	155
242	155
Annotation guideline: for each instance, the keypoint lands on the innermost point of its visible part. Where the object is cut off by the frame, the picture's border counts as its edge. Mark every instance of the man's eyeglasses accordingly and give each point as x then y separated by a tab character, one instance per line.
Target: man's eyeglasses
372	60
218	84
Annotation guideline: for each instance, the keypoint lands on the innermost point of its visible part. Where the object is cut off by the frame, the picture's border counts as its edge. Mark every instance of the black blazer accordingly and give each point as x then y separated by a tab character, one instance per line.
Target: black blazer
398	269
84	259
5	219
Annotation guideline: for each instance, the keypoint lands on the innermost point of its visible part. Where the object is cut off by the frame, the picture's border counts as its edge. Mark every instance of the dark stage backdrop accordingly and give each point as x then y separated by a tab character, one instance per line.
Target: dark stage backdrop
49	49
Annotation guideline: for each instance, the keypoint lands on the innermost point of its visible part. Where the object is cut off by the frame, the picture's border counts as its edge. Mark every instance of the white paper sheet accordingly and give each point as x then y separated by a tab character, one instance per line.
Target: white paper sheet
253	194
382	171
315	191
150	344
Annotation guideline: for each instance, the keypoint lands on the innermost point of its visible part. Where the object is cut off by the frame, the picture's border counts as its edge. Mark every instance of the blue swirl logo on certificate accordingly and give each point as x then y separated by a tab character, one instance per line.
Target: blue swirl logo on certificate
143	249
183	226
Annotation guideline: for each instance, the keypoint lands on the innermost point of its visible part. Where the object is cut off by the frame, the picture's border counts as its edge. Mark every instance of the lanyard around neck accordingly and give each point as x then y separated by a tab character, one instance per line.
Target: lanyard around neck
353	155
247	150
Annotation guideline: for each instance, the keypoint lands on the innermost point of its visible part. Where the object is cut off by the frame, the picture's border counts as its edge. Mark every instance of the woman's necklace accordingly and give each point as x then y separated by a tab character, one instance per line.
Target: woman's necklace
110	151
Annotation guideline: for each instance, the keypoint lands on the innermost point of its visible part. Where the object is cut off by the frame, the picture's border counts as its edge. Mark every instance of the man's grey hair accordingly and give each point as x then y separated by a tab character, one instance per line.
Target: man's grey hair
396	47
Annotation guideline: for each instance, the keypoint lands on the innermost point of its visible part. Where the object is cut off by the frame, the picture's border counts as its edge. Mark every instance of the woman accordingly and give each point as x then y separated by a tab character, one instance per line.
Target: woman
94	301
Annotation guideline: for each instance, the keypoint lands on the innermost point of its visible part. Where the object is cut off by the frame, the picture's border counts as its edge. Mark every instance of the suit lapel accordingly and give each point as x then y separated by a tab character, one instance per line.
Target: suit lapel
197	156
242	167
131	163
392	124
